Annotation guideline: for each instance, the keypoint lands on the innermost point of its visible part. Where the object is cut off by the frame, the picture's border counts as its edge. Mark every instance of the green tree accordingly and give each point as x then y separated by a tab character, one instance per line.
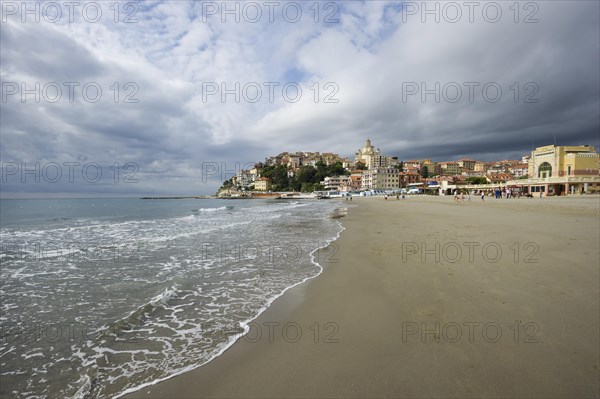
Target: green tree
294	185
306	174
336	170
425	172
321	171
280	178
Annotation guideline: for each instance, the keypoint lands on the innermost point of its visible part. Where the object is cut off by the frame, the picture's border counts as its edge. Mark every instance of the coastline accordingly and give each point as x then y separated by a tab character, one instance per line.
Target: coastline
367	326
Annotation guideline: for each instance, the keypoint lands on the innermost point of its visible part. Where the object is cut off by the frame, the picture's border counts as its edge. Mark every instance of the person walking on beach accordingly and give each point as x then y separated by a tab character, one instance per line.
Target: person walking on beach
482	195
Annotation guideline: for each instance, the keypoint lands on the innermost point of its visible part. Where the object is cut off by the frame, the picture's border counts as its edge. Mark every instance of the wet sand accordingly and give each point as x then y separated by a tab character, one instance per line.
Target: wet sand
430	298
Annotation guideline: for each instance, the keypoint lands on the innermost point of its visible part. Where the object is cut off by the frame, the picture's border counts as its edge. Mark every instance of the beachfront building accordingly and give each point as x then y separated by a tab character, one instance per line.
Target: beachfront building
263	184
407	178
337	183
560	170
553	161
387	179
356	180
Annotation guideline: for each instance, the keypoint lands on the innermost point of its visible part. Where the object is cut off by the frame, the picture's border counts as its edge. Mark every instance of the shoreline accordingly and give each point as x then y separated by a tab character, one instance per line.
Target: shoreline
349	333
337	214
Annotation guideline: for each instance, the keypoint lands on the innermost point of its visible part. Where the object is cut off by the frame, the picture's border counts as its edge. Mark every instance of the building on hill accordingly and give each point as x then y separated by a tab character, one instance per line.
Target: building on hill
499	178
467	165
411	169
412	165
366	154
479	167
294	160
243	178
450	168
347	163
519	169
495	168
373	158
329	158
426	163
435	169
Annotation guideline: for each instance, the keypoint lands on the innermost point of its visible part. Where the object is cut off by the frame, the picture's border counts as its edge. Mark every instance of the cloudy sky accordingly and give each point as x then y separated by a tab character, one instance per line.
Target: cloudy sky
170	97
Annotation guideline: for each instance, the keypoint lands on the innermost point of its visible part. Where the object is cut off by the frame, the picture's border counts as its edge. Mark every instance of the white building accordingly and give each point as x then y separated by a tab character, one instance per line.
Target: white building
244	178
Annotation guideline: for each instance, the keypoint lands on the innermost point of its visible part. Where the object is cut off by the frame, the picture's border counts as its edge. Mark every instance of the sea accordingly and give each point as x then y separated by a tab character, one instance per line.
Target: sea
102	297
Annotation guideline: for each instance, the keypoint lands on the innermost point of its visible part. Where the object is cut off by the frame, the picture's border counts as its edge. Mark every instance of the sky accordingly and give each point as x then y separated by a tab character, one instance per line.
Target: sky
173	97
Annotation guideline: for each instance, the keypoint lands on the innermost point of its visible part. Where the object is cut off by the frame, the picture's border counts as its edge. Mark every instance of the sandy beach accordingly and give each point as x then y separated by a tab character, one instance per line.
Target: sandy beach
427	298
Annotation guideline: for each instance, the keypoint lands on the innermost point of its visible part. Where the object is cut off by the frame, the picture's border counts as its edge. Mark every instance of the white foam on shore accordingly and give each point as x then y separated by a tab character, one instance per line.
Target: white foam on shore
245	325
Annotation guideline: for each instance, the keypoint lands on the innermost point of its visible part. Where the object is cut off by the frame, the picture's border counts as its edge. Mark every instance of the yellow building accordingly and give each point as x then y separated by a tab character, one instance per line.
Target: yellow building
564	169
553	161
262	184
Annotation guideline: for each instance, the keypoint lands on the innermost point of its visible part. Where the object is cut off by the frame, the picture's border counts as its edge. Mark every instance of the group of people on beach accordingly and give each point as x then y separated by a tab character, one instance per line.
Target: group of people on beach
499	192
385	197
506	192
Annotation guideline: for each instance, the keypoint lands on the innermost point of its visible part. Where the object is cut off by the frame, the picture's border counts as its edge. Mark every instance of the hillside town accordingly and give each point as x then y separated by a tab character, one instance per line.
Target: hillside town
546	171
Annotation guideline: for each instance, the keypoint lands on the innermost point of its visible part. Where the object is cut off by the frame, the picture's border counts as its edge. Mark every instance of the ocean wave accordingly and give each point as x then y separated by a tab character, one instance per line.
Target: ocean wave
221	208
227	284
142	313
245	325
